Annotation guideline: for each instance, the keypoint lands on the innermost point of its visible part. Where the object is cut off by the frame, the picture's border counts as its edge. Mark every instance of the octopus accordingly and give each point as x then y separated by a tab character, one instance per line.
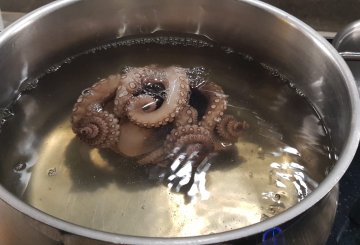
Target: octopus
149	113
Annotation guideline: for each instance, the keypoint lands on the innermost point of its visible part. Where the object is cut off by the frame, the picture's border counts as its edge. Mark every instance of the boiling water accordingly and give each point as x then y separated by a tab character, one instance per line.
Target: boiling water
273	169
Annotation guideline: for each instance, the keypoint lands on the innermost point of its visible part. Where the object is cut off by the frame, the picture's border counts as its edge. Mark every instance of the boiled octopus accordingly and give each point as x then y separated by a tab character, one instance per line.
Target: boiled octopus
149	113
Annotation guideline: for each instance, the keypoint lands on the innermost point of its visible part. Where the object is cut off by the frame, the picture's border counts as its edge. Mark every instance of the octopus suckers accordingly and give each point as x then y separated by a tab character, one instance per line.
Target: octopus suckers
129	112
132	85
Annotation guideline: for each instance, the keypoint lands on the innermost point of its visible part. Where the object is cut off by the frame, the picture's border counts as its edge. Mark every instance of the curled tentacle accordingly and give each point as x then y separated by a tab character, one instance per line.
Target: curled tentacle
98	129
93	98
204	140
187	115
217	103
154	157
176	87
229	129
131	83
186	135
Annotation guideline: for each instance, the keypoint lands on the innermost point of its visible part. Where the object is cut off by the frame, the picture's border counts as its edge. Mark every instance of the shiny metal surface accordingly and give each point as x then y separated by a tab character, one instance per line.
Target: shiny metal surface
291	46
325	16
319	218
17	229
350	56
347	42
6	18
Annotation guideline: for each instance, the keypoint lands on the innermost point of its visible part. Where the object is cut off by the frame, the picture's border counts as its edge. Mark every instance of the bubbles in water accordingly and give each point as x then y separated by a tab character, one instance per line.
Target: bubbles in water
28	85
292	174
19	166
5	114
160	40
86	92
67	61
95	107
197	76
125	69
277	197
51	172
246	57
227	50
54	68
275	73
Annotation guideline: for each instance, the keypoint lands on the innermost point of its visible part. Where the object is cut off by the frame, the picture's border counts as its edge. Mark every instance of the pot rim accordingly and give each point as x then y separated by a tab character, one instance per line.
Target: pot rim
325	186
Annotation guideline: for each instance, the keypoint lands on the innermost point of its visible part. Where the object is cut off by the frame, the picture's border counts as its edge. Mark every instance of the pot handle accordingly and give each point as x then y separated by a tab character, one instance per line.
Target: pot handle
347	43
350	56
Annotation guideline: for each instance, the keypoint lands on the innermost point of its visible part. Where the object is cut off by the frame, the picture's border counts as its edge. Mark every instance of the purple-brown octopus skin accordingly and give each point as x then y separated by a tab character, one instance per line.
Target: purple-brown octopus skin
118	113
229	129
217	104
90	122
177	94
101	128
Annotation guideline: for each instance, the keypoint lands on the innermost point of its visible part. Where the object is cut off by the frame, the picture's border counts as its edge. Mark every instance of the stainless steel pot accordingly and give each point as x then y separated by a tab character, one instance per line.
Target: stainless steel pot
64	28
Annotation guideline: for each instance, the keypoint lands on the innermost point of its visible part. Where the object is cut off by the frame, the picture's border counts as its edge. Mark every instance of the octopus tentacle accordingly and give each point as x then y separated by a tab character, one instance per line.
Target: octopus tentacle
177	95
93	98
130	84
229	129
154	157
186	116
98	129
204	140
121	98
217	103
189	134
144	99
